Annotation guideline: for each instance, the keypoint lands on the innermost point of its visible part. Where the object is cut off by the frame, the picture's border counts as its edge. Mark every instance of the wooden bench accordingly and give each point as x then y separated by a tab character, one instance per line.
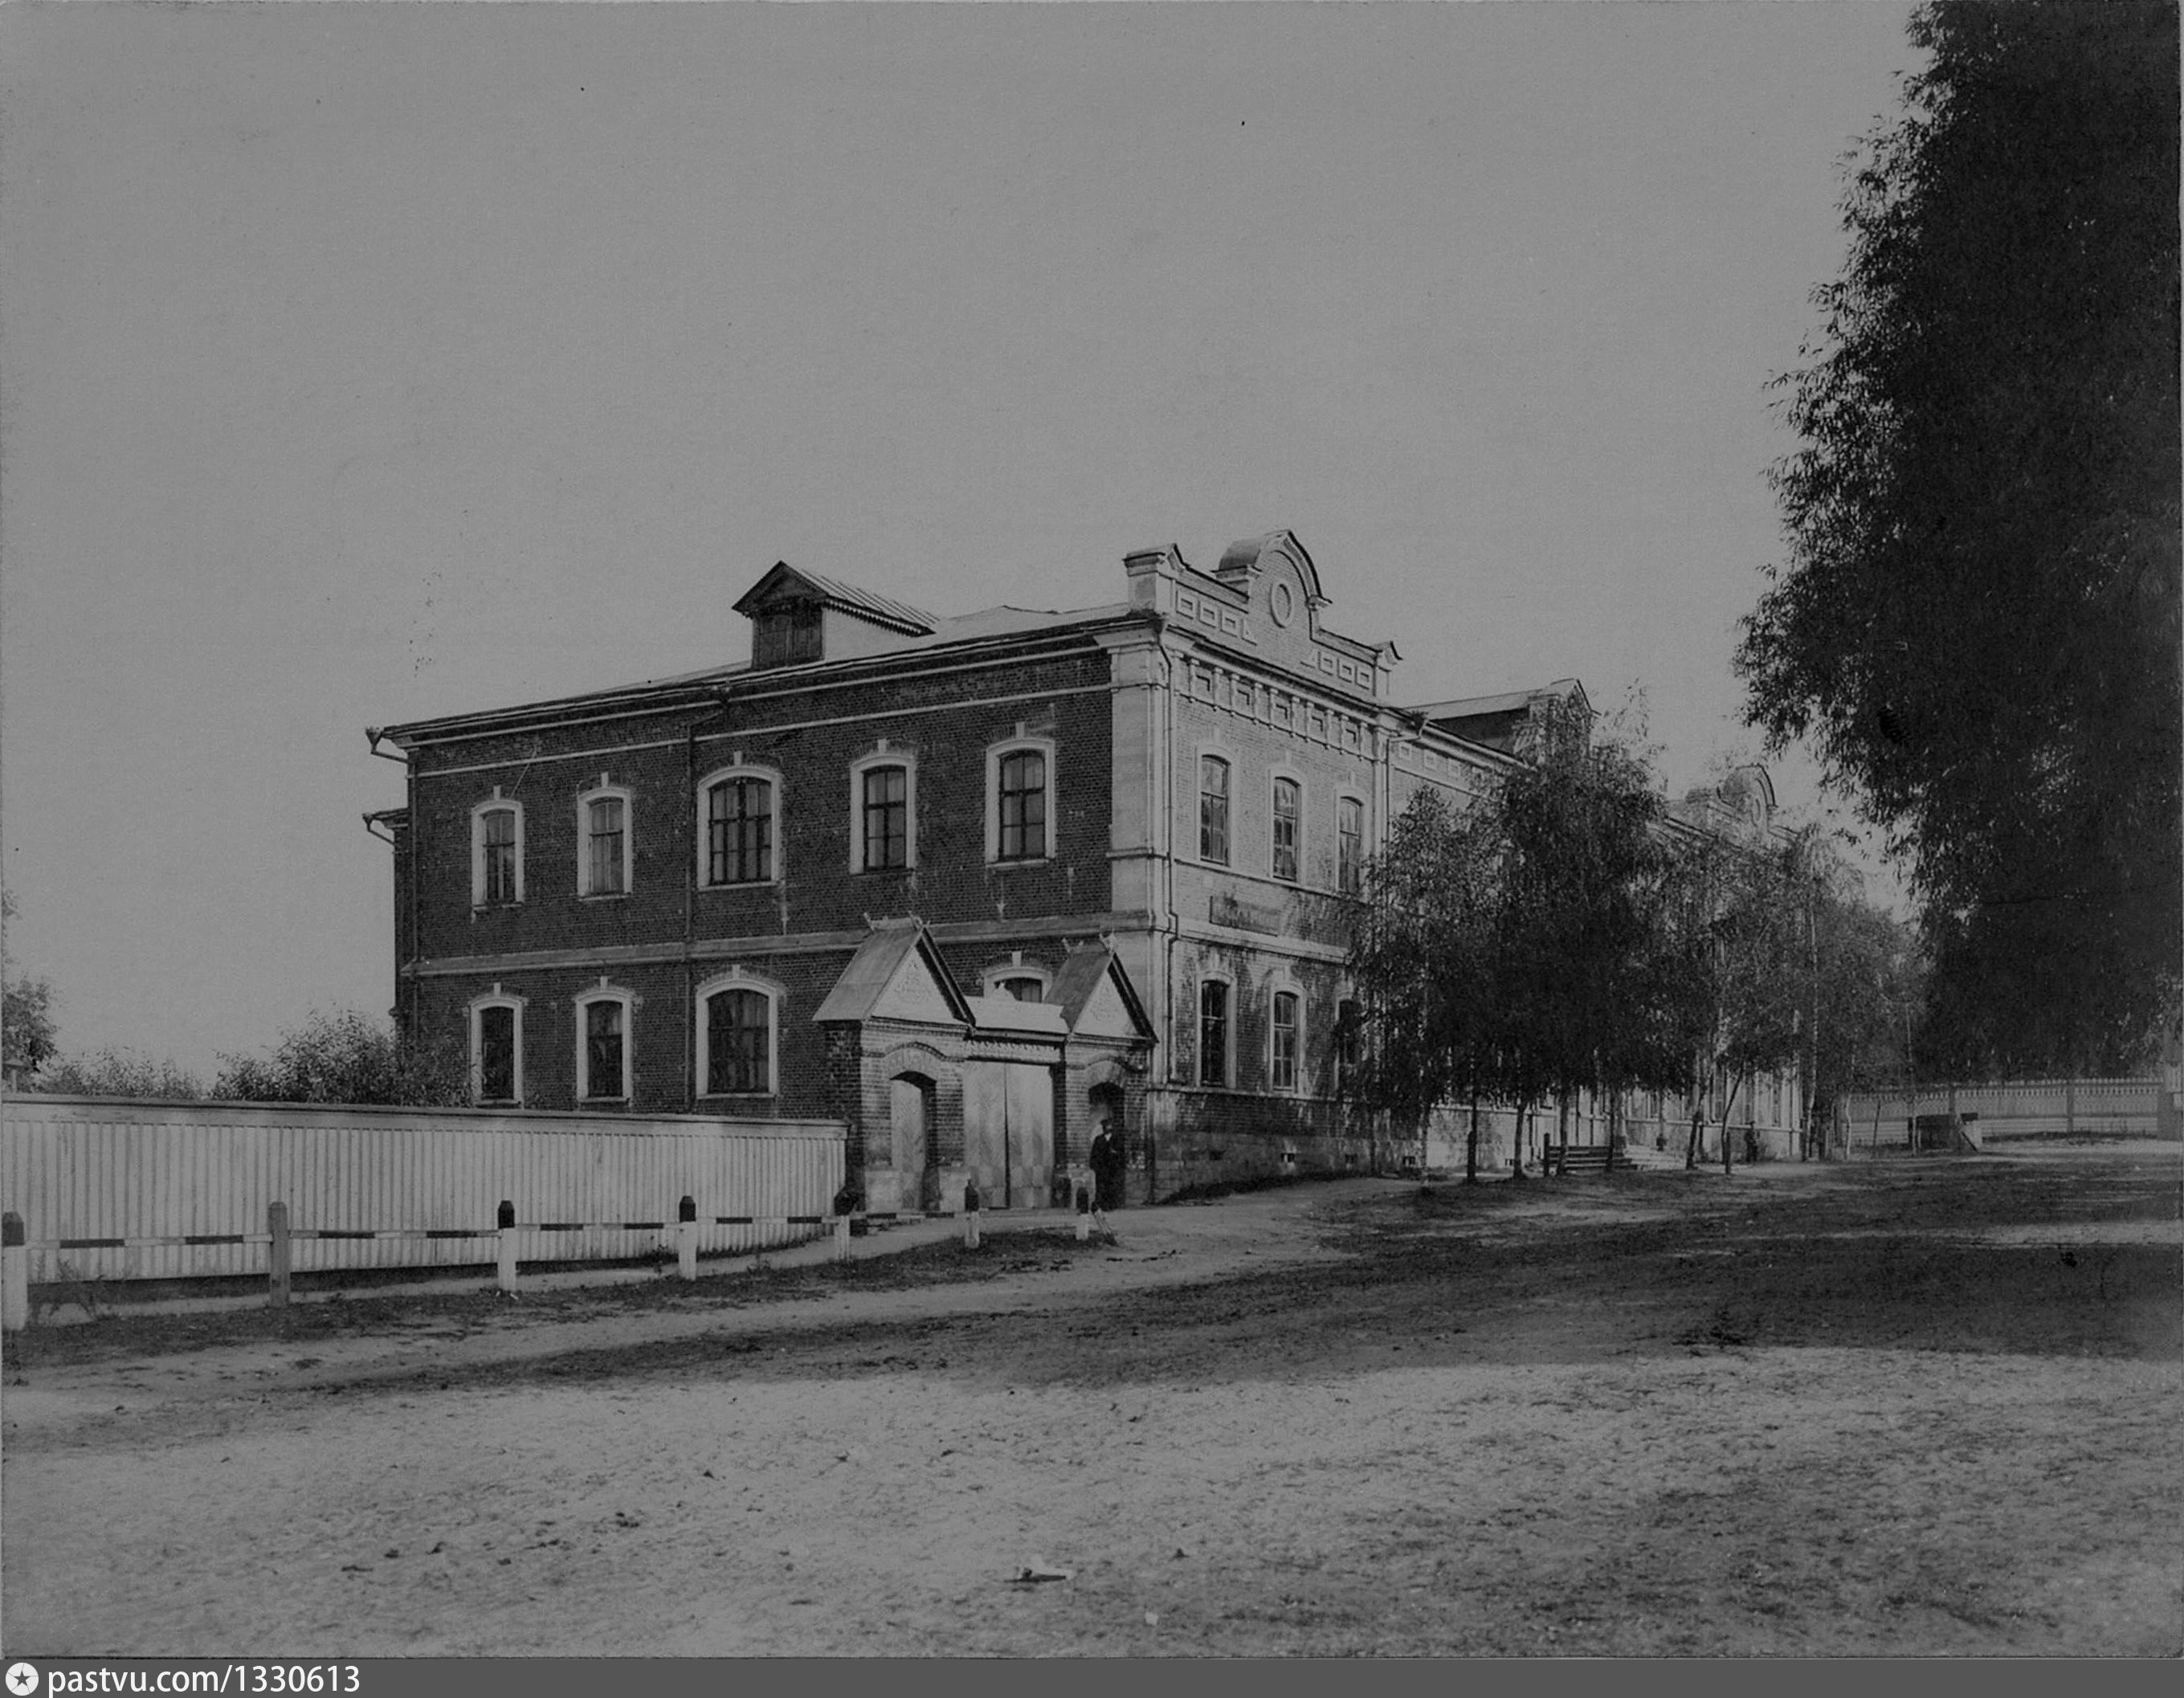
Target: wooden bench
1571	1160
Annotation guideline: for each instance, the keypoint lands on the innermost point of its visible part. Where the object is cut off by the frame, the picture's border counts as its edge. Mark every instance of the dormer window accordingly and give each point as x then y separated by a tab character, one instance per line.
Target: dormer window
800	617
787	634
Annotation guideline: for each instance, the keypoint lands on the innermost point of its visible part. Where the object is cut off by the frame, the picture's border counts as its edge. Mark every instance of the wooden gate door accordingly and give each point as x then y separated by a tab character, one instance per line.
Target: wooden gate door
913	1141
986	1130
1008	1132
1031	1134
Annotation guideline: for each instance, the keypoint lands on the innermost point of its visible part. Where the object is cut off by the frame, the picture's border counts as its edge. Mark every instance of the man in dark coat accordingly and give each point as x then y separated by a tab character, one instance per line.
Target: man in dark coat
1108	1161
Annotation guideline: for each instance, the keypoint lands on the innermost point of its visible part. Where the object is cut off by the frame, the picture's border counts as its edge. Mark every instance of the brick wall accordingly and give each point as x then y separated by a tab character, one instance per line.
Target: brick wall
556	944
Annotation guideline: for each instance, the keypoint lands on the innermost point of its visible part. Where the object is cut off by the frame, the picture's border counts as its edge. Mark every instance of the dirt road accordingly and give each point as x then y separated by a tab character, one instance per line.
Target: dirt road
1925	1407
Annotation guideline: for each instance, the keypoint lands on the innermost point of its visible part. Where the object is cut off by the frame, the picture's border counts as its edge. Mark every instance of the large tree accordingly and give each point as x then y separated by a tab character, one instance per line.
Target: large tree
1587	982
1424	958
1977	624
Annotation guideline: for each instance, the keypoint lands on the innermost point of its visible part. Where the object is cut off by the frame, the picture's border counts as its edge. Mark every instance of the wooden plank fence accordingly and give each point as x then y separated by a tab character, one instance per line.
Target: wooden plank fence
109	1189
2009	1109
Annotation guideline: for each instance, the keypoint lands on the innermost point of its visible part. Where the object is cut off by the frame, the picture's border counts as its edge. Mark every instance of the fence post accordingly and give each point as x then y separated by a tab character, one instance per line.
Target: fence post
504	1228
971	1215
686	1239
277	1255
14	1273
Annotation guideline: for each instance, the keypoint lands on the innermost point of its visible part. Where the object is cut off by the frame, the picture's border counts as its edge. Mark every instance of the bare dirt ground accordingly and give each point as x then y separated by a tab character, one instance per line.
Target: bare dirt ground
1909	1407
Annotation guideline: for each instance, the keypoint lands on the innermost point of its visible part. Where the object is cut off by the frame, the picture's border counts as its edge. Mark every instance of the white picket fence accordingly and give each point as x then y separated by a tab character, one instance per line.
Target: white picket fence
109	1189
2008	1109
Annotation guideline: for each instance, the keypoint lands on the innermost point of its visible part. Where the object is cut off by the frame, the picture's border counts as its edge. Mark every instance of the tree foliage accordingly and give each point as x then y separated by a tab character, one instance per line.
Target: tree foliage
345	1057
1977	626
27	1033
1587	973
1424	958
1739	920
1865	977
26	1016
118	1073
1514	950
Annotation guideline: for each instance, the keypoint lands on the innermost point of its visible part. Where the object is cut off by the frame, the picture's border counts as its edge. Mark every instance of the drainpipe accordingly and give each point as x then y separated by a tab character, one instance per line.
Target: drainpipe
690	918
372	735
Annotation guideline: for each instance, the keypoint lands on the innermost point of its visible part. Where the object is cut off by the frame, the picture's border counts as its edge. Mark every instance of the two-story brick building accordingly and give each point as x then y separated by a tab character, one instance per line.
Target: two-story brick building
967	883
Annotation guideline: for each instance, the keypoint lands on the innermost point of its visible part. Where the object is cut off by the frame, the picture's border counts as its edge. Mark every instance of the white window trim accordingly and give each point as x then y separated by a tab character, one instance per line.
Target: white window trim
1044	747
600	792
495	997
990	980
492	804
1278	775
1350	794
604	991
1227	757
1229	1080
1281	984
884	757
737	979
722	775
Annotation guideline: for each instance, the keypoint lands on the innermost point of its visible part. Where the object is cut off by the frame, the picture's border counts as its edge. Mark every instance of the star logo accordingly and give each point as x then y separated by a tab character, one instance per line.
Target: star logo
22	1680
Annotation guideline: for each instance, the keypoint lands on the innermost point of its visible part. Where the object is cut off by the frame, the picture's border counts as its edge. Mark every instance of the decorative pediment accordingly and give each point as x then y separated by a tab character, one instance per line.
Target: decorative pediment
897	974
1245	559
1097	997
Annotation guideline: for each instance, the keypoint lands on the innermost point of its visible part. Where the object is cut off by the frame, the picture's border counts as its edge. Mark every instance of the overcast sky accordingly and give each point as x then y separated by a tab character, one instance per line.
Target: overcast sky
364	363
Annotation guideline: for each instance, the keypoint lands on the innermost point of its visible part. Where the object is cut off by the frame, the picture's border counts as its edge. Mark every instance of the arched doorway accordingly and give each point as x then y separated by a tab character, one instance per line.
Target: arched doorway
916	1152
1105	1102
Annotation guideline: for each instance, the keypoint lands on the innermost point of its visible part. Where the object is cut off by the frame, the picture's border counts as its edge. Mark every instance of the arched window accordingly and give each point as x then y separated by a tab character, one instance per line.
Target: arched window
738	841
1285	1039
1213	809
604	1038
1216	1031
1289	814
496	1023
1349	844
1020	811
604	849
883	812
737	1038
1349	1047
496	851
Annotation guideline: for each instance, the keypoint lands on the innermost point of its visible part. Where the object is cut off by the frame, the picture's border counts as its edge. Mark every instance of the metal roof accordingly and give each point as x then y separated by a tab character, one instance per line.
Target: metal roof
872	969
840	594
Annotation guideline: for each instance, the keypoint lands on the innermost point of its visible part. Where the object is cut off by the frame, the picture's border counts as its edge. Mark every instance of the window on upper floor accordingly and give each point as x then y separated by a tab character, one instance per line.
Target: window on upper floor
1213	809
1289	808
602	1035
883	837
603	856
739	811
739	1041
1024	988
496	852
1213	1024
1287	1029
1349	844
1020	802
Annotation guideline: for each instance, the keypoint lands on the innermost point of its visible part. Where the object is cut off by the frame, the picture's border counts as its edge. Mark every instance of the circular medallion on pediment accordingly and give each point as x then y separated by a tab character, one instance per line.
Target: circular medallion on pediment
1281	604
